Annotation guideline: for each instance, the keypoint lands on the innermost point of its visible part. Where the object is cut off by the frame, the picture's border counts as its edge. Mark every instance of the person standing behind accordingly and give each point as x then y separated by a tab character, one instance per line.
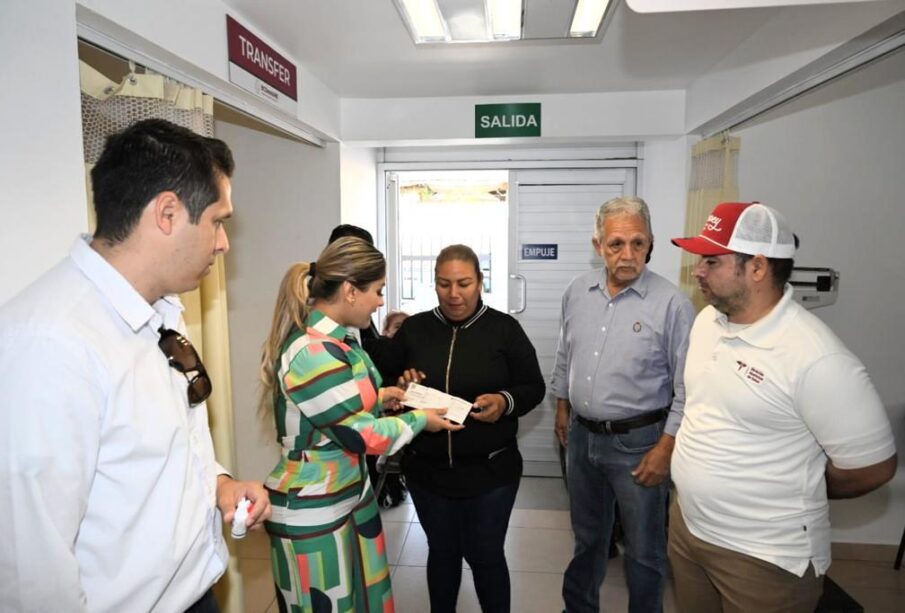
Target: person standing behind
344	230
617	379
392	322
114	498
780	417
394	491
324	393
368	335
464	483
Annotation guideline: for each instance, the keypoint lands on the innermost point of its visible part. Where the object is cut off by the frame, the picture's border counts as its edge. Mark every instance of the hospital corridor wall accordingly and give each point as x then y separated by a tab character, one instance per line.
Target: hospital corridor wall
832	161
286	196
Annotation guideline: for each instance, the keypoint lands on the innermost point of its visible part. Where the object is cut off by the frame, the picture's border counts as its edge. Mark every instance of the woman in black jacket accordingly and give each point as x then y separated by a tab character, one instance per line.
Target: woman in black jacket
464	485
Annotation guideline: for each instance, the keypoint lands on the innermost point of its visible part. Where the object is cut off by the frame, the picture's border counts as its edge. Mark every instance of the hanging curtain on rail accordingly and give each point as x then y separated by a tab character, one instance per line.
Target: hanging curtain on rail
109	107
714	179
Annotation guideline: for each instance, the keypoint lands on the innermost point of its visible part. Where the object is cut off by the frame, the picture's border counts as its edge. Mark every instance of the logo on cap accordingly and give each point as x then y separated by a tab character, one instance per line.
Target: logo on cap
713	224
742	227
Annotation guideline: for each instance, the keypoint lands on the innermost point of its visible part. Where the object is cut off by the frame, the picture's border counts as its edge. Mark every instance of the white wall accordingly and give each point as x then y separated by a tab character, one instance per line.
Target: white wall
43	199
286	196
575	118
358	173
41	153
192	38
833	162
794	37
663	185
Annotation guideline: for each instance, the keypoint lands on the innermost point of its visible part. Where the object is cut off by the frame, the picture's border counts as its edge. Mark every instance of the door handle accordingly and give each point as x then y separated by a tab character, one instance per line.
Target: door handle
524	294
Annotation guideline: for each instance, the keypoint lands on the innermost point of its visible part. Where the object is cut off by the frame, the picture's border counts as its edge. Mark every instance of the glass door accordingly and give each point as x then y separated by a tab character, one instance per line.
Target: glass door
432	209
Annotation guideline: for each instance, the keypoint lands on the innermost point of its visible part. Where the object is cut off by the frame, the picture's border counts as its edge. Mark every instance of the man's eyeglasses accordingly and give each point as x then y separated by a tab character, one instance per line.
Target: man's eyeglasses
183	357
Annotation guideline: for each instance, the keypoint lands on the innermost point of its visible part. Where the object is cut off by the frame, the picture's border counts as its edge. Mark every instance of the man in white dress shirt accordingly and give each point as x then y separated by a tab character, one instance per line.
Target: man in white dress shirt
779	417
113	498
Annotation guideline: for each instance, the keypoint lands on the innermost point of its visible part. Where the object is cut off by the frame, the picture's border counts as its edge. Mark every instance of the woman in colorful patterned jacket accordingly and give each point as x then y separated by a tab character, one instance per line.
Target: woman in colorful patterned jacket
324	392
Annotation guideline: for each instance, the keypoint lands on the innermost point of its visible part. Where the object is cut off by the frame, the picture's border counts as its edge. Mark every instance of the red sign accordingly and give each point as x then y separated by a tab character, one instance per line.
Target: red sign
258	58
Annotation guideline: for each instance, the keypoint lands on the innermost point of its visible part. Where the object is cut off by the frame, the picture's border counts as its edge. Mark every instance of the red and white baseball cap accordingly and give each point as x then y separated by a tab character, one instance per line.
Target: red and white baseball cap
743	227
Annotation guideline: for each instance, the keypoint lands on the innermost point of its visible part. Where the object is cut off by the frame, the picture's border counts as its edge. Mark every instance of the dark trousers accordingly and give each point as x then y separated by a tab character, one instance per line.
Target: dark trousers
205	604
472	528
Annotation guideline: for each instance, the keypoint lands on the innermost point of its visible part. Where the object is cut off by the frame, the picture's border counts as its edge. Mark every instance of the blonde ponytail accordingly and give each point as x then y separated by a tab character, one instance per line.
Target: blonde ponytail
291	310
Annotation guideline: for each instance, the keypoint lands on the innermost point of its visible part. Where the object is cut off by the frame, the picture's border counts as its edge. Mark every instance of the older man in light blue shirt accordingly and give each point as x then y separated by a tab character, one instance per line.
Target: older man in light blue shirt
618	384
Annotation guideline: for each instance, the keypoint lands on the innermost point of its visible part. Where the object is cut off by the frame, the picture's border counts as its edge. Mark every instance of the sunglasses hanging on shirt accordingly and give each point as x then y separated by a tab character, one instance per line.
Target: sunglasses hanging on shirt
183	357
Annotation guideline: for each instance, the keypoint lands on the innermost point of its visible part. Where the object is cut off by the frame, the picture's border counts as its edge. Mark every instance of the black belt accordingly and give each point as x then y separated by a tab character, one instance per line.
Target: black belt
622	426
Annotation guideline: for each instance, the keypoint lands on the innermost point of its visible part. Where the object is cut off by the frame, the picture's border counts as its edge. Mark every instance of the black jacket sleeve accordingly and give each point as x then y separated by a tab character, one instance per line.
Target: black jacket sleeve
527	388
389	355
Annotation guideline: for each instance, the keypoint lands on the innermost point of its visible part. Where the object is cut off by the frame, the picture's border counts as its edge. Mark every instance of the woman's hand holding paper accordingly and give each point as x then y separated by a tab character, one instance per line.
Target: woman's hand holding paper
492	407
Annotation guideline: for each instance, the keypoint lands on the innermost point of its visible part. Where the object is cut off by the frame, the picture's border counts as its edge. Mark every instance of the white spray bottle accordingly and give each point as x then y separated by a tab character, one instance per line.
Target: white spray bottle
240	518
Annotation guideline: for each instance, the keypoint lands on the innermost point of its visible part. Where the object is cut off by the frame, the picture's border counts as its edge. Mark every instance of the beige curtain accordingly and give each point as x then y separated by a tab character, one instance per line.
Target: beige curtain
108	107
714	179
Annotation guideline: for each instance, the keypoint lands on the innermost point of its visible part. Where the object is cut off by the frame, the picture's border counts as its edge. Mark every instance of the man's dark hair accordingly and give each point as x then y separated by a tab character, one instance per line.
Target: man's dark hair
780	267
149	157
347	229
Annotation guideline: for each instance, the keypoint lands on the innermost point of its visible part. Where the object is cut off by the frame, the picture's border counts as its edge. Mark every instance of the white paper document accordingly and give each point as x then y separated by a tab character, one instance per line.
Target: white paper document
420	396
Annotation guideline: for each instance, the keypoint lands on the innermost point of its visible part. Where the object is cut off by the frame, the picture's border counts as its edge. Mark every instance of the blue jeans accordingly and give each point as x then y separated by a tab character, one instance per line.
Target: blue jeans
472	528
599	473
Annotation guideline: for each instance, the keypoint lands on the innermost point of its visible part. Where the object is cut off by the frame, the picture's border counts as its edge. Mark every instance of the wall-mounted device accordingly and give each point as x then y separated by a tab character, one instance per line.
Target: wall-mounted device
815	287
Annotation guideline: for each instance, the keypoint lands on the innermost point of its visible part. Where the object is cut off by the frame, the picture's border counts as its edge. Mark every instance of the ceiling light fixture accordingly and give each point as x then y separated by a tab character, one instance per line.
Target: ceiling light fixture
424	20
502	21
587	18
505	18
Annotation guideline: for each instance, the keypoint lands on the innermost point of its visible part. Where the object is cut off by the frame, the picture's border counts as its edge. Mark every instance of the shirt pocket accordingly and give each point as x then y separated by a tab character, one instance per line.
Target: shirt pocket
644	346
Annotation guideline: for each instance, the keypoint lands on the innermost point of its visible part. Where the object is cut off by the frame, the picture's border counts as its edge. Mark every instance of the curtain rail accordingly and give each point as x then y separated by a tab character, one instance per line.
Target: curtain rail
878	42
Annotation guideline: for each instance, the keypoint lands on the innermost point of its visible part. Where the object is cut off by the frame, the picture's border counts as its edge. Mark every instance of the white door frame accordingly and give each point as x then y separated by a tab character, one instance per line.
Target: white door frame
387	218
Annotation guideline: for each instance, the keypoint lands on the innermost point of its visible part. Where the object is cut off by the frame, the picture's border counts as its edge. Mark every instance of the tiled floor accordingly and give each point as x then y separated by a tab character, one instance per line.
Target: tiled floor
538	548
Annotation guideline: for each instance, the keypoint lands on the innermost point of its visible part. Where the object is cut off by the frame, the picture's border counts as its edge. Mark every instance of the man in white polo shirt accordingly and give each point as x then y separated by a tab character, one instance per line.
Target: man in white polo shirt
779	417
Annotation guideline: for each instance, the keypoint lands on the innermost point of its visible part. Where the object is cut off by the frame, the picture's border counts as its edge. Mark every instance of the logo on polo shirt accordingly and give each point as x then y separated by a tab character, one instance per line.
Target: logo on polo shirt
713	224
755	375
750	373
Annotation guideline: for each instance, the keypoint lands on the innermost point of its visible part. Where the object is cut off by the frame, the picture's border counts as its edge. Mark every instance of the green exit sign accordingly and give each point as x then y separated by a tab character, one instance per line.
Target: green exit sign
507	120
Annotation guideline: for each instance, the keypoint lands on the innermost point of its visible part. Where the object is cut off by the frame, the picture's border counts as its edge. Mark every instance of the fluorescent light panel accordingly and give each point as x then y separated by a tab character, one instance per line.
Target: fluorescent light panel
505	18
587	18
425	20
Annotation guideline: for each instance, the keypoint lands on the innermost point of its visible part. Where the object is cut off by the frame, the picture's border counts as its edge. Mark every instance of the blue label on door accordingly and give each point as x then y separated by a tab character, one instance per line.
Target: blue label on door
540	251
